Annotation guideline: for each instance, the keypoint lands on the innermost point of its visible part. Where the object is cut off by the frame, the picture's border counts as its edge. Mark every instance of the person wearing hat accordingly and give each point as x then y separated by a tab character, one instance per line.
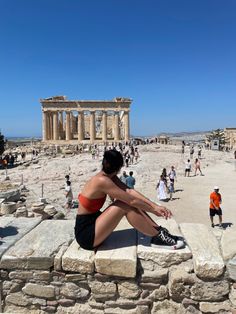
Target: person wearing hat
215	201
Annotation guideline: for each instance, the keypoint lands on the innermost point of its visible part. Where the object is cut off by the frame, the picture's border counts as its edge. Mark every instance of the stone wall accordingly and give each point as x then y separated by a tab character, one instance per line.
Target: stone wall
47	275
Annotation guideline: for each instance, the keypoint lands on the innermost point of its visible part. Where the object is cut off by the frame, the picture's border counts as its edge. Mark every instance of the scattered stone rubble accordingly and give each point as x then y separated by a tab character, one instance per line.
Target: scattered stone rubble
13	202
43	270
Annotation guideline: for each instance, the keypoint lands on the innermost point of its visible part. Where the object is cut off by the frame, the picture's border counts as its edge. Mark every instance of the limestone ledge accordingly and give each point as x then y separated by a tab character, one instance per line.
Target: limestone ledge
44	270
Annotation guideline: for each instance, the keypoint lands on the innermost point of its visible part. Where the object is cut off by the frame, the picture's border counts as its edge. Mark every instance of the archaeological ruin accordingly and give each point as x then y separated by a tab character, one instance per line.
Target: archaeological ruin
85	121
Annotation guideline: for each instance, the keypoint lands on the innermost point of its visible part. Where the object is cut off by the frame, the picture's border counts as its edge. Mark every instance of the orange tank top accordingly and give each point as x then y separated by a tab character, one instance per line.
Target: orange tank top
92	205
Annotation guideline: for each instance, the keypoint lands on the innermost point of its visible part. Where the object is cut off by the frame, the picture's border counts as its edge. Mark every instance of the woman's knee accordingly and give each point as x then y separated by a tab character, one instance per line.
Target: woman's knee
119	205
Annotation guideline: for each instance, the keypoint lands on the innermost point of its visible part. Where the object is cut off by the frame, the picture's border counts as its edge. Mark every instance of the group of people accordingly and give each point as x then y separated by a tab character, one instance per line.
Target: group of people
7	161
129	180
165	184
188	168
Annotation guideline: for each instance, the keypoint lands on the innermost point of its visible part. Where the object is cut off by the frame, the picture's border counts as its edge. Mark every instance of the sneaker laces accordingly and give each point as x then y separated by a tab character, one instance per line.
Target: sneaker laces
166	238
166	231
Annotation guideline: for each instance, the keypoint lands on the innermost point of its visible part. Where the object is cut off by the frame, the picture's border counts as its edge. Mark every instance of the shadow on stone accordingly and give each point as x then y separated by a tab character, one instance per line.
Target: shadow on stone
8	231
119	239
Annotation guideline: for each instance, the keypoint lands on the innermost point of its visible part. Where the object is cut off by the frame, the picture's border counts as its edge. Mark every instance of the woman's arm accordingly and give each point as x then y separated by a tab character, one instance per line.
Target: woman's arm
119	191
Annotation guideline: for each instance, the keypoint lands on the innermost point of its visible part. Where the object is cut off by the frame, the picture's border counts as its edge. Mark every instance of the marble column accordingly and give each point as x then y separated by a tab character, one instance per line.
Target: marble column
68	133
44	126
104	126
126	121
51	125
61	125
116	127
92	126
80	126
55	126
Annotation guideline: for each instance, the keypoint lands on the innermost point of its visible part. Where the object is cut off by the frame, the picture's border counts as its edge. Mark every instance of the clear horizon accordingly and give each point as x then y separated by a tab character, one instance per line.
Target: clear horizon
176	60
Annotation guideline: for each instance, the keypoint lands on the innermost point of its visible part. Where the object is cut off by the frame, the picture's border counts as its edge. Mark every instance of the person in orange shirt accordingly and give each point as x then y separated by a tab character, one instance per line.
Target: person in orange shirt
215	201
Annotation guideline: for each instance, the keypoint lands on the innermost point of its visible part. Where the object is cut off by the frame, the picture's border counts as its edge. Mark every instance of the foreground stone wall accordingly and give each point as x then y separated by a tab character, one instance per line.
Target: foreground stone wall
51	274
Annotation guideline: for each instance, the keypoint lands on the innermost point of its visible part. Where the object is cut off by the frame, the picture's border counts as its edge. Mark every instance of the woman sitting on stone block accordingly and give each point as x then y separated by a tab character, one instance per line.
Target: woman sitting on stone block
94	226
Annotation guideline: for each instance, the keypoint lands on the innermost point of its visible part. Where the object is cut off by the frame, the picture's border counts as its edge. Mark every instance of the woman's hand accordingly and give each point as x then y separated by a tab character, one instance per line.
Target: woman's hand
163	212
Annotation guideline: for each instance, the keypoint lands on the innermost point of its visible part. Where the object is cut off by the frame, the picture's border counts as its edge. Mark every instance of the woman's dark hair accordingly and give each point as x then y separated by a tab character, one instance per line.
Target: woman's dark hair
112	161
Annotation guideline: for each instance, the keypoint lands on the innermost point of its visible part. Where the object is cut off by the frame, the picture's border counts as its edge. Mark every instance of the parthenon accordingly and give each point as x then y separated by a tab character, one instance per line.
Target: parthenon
85	121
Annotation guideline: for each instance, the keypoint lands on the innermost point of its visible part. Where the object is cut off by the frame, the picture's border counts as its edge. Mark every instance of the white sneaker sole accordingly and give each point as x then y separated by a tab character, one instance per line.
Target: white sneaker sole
177	246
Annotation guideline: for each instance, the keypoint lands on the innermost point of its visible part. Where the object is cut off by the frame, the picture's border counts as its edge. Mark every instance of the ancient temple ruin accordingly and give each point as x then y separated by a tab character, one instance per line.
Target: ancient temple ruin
81	121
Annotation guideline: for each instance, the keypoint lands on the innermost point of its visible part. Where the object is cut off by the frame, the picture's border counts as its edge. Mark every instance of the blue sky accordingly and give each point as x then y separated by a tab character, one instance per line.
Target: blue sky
175	59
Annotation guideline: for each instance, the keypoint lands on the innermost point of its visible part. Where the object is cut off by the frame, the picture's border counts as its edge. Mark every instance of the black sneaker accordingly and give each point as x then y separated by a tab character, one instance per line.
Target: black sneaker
212	225
166	231
166	241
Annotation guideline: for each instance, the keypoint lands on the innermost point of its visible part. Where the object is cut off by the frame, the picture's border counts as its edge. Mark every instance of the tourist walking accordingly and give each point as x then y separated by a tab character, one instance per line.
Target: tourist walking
164	175
94	226
69	195
172	175
136	154
161	189
215	209
130	180
191	152
197	167
123	177
187	168
199	152
171	190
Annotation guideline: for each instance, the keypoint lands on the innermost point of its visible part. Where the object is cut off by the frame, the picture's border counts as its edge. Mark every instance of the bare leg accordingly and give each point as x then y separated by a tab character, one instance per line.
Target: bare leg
110	218
211	217
220	219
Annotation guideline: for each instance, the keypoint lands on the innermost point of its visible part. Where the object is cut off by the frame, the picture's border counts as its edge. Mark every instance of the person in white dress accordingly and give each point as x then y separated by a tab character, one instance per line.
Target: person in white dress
161	189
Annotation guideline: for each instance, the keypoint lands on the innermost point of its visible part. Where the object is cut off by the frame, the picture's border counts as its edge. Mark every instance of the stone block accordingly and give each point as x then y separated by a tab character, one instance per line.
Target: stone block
36	250
228	237
128	289
42	275
58	257
232	296
72	291
167	306
210	291
12	229
118	311
76	259
102	290
159	256
40	291
159	294
231	267
207	259
66	302
180	283
22	275
117	255
217	307
75	309
13	309
11	195
159	275
17	299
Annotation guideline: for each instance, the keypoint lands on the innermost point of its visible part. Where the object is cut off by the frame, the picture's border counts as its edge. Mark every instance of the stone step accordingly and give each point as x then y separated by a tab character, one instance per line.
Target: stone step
77	259
161	257
207	259
36	250
12	229
117	256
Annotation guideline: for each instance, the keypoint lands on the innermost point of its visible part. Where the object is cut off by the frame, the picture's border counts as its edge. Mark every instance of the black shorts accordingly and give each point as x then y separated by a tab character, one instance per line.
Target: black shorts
214	212
187	170
85	230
